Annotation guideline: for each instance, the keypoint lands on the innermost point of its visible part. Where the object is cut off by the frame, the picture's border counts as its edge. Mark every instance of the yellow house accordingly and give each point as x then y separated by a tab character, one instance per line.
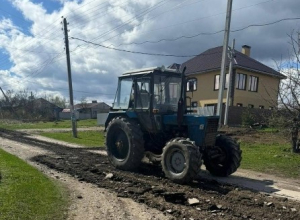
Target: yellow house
254	84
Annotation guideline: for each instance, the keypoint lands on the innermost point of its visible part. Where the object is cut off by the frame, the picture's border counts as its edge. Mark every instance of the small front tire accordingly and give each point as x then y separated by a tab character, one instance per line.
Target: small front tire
181	160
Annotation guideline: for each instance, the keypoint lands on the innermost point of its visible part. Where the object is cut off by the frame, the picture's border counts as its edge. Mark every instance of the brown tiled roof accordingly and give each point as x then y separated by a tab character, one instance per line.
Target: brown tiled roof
210	60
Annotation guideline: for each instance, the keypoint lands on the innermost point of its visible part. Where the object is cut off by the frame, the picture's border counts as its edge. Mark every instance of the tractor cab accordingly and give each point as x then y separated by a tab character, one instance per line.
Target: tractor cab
149	94
141	88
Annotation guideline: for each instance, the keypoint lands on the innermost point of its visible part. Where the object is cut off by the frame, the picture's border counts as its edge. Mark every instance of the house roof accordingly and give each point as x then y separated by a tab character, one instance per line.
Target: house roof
211	59
91	105
41	102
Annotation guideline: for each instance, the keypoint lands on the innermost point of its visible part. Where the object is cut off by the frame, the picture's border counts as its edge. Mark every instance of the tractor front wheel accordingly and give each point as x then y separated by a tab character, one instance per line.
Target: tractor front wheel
124	143
224	158
181	160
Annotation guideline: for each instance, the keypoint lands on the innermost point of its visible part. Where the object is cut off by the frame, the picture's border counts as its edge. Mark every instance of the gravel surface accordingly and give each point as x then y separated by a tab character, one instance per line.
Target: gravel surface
145	194
88	201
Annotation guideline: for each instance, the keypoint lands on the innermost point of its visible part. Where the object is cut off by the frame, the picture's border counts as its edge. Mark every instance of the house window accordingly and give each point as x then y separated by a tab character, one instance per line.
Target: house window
271	108
241	81
261	107
191	85
250	106
210	105
217	81
239	105
253	83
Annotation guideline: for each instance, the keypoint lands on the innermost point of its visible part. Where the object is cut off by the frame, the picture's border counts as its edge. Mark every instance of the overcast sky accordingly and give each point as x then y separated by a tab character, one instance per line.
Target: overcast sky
32	54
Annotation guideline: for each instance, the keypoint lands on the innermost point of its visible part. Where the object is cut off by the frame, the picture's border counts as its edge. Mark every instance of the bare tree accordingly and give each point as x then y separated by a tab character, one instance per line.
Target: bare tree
83	102
289	94
56	100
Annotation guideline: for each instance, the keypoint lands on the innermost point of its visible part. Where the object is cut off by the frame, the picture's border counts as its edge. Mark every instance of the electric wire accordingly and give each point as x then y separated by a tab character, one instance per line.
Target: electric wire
79	23
144	12
128	51
172	55
211	33
253	25
184	23
162	13
113	28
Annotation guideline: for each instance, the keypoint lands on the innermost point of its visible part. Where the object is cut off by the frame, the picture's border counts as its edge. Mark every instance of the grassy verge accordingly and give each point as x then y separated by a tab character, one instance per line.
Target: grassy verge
25	193
275	159
13	125
85	138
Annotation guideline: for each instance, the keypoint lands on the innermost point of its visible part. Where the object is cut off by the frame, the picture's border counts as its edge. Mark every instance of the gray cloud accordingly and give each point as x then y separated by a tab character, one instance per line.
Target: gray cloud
39	61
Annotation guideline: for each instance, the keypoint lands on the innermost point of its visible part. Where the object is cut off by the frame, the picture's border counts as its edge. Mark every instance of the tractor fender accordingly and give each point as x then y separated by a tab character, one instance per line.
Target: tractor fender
126	114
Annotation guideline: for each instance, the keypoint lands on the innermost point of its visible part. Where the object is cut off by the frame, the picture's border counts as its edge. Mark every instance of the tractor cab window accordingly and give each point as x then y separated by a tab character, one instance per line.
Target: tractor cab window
143	93
123	94
166	93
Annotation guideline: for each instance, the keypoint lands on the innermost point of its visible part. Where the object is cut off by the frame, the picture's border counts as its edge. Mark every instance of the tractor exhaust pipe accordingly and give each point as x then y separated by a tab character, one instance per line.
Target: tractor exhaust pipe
181	101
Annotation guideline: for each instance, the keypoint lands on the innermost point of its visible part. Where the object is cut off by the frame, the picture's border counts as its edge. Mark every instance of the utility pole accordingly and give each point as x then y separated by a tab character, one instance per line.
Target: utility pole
228	98
299	42
6	98
223	64
8	103
73	117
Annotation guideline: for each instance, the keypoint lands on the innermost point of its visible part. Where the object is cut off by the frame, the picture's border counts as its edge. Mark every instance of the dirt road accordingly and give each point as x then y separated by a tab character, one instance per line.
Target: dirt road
146	194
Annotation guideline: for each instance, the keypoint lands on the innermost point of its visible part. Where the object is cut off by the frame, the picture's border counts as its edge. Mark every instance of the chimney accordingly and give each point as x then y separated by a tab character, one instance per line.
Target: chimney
94	101
246	50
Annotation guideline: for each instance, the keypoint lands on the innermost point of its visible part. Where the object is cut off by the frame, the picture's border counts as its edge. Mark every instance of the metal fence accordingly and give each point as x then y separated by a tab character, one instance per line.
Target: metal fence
203	111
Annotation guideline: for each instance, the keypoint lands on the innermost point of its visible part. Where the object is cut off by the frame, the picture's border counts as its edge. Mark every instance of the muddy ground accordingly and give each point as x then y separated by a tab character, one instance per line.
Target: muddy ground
148	185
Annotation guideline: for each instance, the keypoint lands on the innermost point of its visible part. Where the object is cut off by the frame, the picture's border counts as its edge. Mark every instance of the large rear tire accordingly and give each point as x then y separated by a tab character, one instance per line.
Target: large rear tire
124	143
224	158
181	160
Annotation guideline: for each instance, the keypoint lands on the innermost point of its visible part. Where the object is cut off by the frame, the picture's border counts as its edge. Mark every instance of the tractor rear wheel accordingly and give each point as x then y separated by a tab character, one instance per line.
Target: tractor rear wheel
224	158
124	143
181	160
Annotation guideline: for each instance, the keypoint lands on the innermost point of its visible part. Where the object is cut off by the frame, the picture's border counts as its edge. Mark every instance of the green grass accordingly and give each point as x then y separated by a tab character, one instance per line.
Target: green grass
268	130
13	125
85	138
25	193
275	159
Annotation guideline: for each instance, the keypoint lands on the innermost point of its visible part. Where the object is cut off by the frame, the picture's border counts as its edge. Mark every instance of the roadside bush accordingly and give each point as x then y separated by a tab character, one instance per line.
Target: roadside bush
248	119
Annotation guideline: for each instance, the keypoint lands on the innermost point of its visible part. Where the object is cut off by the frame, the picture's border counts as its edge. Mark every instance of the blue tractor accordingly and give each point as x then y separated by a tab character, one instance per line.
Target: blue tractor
149	118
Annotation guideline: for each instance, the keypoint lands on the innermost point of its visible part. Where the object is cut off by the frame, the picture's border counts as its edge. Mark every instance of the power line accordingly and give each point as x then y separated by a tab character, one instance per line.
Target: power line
163	13
266	24
183	23
126	22
132	19
43	30
38	70
201	18
95	9
212	33
128	51
172	55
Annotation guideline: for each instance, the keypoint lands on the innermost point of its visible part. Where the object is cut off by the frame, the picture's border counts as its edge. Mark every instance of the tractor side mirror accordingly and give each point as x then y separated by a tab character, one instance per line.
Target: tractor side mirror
191	85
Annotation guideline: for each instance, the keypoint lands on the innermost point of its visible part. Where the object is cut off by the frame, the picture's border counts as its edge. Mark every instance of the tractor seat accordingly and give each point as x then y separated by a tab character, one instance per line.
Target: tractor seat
143	99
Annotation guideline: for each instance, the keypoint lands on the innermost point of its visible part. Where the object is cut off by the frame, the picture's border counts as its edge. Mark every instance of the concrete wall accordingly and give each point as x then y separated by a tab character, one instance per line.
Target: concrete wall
101	118
235	115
